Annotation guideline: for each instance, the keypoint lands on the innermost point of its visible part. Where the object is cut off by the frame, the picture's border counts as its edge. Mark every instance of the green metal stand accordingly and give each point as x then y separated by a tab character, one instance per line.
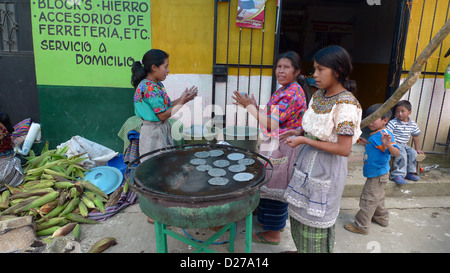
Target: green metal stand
161	233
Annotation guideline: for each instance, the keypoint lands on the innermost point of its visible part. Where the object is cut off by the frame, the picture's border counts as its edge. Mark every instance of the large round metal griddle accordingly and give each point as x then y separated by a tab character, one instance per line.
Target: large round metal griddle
169	175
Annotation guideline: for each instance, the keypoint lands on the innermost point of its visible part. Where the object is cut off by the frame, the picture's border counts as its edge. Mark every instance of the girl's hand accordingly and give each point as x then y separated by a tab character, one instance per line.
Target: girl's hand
362	141
295	141
243	100
289	133
189	94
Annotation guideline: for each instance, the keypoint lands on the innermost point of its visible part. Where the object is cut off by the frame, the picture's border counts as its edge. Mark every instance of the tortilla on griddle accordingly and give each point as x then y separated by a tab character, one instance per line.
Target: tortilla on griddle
202	154
246	161
218	181
197	161
215	172
242	177
216	153
237	168
221	163
203	168
235	156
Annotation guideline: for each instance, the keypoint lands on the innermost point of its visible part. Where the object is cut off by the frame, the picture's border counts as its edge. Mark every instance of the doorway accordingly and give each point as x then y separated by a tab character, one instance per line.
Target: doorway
366	29
18	90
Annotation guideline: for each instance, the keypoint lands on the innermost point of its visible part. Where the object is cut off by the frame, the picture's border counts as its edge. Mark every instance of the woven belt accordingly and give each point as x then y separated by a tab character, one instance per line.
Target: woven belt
311	137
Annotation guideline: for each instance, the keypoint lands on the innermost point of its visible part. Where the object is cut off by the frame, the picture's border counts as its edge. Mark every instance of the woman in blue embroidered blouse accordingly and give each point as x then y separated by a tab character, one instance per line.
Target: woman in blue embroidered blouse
151	102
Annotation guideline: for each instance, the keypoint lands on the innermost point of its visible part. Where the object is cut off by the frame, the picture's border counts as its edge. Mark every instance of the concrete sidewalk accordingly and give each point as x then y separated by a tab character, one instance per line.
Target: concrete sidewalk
417	225
419	221
435	182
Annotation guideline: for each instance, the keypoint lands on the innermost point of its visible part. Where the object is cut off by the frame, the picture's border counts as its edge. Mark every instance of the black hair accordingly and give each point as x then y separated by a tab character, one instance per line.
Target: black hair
405	104
140	69
297	64
338	59
4	119
375	107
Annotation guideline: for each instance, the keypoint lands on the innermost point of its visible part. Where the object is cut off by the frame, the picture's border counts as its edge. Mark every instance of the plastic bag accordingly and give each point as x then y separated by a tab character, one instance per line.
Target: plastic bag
96	154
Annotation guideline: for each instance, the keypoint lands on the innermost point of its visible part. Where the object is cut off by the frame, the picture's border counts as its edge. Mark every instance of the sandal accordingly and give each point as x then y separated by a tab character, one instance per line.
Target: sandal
412	177
281	230
399	180
263	240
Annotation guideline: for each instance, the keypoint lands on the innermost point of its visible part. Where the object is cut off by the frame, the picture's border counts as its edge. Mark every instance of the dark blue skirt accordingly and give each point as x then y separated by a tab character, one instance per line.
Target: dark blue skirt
272	214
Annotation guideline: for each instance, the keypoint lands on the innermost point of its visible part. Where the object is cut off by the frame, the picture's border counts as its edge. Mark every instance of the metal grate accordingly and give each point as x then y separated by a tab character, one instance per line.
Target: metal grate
8	27
249	41
428	94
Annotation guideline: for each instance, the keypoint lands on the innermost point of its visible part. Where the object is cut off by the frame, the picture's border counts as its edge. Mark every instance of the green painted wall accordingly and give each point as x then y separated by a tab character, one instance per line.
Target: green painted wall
94	113
95	42
83	53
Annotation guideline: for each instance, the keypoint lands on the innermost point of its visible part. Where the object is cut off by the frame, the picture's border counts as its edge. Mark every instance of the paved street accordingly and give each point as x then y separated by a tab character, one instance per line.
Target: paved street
417	225
419	221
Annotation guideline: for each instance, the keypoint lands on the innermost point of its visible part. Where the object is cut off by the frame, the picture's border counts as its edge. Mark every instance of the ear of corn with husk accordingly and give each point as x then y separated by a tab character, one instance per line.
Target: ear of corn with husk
53	191
102	244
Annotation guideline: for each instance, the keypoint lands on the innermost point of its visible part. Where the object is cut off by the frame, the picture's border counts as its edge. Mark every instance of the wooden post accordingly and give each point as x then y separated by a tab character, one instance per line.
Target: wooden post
413	75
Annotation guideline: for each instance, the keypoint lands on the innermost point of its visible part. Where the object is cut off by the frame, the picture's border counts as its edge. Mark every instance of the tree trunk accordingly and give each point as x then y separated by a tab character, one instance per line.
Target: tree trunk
413	75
